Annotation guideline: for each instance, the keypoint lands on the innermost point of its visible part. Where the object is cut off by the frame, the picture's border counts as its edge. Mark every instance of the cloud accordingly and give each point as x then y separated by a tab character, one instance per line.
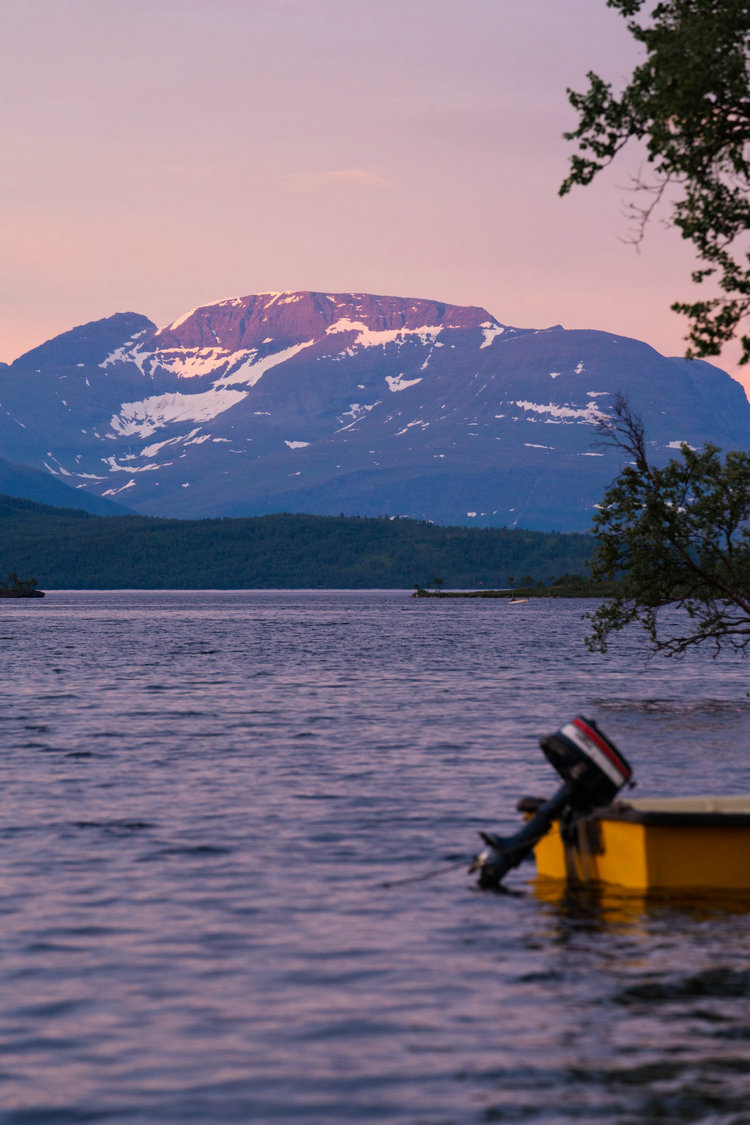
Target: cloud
306	182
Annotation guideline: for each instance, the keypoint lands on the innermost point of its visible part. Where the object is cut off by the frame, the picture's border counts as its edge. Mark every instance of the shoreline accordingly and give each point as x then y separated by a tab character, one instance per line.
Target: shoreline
518	595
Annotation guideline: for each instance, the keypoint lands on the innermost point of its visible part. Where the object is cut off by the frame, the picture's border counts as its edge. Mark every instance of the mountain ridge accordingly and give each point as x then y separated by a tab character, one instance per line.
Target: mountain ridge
353	403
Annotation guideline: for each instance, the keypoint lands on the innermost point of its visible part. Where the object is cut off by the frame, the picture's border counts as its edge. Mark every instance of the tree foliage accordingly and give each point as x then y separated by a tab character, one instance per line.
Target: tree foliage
689	104
15	585
70	549
676	536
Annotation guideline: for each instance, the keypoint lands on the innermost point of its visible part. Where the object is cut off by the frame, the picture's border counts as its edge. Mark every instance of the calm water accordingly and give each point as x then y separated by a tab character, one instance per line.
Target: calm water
203	796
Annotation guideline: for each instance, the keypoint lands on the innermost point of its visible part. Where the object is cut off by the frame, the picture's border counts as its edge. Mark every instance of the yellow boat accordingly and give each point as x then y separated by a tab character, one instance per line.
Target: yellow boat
587	834
662	844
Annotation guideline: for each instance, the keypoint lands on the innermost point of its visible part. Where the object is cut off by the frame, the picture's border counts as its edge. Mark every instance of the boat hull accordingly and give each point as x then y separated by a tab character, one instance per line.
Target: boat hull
678	844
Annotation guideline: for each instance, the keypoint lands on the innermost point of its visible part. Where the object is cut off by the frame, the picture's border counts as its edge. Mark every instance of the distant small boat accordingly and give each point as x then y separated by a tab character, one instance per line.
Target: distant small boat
22	593
517	601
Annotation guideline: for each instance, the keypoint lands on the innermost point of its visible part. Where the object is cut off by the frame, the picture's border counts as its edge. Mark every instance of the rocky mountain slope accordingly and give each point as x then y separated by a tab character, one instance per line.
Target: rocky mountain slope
353	403
22	481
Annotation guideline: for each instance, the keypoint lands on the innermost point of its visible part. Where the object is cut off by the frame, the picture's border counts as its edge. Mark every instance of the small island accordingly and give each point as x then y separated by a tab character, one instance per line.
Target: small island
15	587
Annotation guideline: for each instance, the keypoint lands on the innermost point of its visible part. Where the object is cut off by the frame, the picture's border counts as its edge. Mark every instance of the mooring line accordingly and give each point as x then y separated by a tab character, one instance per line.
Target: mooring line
443	870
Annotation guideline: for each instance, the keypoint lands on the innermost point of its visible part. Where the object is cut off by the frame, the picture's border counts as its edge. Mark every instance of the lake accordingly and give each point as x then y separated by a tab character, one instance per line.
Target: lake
211	801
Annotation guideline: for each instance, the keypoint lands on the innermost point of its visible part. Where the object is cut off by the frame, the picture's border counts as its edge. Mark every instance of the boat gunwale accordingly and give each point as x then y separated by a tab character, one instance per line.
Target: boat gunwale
653	818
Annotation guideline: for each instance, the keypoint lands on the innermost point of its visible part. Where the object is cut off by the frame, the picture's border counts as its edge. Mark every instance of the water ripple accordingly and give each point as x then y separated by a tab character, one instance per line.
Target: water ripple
218	809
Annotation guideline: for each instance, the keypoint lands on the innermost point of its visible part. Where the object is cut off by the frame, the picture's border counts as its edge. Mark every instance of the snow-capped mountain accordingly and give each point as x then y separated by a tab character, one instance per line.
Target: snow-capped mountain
328	403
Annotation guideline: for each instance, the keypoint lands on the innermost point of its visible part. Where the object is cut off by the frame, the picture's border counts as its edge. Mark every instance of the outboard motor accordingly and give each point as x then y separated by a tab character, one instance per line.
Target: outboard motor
593	772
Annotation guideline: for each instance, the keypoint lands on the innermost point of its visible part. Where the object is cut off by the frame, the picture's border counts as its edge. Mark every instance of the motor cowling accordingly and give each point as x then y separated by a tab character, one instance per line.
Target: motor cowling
593	772
585	757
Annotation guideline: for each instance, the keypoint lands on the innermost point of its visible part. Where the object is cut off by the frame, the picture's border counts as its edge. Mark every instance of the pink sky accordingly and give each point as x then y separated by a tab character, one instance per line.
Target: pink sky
160	154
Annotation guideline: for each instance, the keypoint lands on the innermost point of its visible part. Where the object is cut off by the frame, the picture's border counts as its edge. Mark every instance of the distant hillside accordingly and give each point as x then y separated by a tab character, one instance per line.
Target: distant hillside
68	549
36	484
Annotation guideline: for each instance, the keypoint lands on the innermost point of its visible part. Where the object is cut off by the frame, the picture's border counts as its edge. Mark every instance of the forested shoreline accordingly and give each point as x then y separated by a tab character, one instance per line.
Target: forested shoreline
71	549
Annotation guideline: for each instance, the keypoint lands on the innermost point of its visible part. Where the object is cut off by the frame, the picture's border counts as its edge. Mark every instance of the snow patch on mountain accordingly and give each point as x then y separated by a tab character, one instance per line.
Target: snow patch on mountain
399	383
253	370
242	367
56	468
156	447
367	337
128	353
589	414
410	425
193	363
356	411
122	488
114	465
144	418
489	333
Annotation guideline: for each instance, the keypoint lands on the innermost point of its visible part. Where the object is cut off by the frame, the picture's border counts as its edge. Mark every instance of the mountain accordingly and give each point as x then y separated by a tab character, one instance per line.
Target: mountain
353	403
39	485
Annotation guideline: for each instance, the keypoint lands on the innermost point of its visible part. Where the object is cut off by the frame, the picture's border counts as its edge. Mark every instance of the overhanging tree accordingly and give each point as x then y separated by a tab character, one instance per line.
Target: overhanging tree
676	536
689	104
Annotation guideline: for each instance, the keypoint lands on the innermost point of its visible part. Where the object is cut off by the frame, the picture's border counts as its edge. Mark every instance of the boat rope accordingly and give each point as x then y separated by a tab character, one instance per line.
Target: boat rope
444	869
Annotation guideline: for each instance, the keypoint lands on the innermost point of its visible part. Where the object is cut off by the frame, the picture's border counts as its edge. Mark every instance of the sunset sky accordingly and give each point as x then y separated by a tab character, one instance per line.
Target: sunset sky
161	154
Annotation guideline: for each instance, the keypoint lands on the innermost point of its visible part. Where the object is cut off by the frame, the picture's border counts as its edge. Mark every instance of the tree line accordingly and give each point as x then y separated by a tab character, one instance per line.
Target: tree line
69	549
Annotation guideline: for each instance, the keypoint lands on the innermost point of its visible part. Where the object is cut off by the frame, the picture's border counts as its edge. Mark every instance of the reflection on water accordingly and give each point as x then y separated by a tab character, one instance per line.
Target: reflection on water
669	990
604	907
210	803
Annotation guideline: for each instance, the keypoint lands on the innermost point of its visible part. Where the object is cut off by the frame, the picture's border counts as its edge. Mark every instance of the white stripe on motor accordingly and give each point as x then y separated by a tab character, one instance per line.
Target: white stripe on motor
591	750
